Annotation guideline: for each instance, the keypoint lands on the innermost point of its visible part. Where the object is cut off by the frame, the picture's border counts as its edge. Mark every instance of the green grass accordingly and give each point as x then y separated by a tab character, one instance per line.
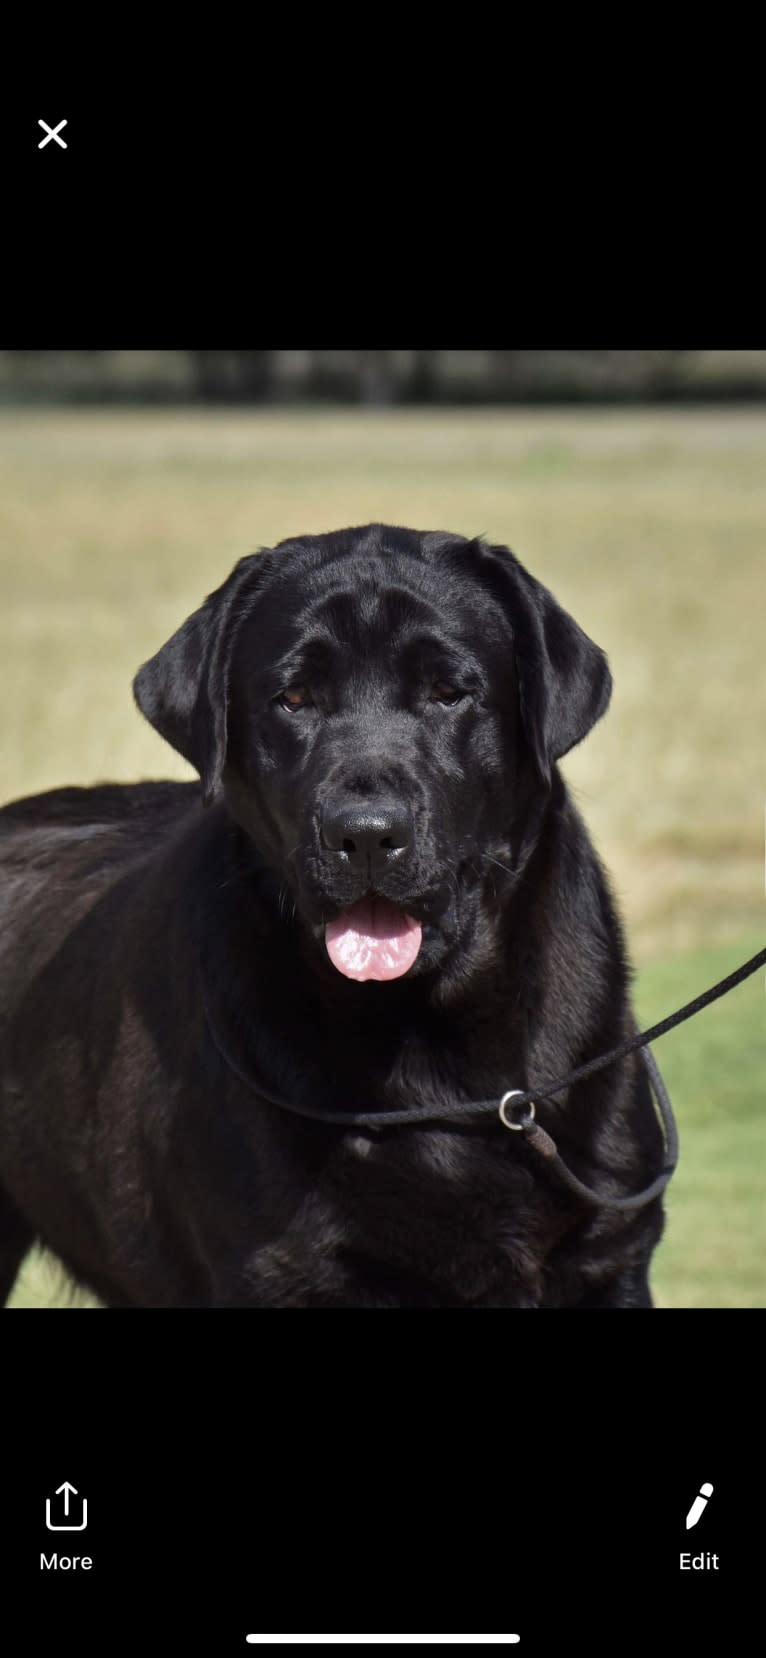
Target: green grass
713	1253
650	526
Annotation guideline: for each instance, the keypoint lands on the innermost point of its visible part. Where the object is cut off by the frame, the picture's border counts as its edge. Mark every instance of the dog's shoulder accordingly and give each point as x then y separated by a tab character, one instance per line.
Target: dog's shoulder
127	819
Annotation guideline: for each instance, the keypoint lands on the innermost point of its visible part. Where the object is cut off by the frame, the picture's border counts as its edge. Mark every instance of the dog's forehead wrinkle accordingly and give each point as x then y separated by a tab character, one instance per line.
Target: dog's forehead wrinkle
375	604
367	600
371	640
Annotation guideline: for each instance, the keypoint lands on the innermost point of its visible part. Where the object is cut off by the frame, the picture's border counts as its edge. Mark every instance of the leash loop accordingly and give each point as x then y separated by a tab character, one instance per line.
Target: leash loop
529	1113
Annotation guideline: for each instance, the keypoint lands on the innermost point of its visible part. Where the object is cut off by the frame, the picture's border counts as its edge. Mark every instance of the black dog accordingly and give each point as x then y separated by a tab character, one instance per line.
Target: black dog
390	901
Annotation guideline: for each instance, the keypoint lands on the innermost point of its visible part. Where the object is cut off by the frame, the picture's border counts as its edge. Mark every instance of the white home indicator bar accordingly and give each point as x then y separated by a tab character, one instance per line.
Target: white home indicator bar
382	1640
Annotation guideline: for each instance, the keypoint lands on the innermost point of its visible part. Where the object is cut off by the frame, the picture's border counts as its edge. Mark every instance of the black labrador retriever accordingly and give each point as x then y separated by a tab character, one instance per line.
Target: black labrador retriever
381	897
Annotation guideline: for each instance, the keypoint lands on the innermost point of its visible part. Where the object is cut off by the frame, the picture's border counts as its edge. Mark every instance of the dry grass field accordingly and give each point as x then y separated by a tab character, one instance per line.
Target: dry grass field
650	526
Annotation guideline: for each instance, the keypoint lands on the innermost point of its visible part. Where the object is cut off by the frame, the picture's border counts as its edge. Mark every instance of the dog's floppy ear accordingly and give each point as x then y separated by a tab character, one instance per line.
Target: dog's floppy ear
564	679
183	690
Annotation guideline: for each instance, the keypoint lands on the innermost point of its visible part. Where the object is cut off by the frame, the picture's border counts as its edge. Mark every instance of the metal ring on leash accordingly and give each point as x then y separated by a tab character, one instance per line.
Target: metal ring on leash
515	1127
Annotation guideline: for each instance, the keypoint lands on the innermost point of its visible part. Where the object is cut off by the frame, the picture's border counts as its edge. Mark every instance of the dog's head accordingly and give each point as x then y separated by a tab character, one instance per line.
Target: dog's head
383	709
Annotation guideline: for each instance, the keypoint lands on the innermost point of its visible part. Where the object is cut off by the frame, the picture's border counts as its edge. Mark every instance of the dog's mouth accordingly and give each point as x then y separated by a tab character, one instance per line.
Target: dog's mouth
373	939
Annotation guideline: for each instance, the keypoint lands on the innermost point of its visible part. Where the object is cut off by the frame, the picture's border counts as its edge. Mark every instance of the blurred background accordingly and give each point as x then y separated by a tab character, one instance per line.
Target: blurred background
632	483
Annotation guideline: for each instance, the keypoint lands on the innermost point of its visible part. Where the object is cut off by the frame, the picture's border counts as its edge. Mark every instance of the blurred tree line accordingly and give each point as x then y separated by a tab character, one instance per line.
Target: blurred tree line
380	377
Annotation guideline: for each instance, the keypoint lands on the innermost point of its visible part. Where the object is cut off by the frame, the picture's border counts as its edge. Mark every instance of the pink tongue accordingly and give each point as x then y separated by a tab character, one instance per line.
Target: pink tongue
373	940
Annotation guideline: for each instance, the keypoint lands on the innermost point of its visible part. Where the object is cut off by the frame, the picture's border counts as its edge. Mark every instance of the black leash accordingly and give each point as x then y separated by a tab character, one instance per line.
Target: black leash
524	1099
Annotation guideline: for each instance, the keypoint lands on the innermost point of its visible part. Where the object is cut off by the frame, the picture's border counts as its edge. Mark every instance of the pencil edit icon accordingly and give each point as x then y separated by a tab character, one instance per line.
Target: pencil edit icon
698	1506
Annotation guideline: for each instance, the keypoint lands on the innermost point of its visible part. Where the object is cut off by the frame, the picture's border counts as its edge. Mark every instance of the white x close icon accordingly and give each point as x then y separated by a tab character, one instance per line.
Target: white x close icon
52	132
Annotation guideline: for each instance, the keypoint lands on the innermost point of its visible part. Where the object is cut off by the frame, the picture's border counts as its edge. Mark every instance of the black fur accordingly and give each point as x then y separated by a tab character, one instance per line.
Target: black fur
129	1146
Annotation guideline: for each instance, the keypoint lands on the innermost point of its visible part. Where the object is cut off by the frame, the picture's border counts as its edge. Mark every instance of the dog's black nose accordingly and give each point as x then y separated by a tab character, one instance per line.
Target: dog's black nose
368	832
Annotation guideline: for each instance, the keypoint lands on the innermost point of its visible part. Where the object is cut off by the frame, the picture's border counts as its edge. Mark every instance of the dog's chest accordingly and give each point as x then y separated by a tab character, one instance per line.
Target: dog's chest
426	1219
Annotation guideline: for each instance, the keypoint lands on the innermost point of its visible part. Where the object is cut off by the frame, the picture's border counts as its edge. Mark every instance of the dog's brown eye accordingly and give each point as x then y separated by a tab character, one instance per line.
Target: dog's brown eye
296	697
442	692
